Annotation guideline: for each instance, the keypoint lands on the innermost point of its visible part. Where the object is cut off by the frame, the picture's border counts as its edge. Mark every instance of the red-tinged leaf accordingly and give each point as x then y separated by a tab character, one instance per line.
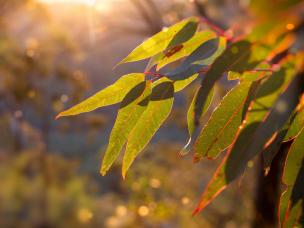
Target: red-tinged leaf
272	148
235	160
296	125
220	129
290	205
275	120
236	52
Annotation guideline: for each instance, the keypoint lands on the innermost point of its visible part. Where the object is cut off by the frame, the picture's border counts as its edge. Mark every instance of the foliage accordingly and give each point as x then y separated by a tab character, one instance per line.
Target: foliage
265	106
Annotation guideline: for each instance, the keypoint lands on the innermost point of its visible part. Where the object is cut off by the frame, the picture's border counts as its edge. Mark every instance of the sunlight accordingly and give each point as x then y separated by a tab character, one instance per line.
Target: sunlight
85	2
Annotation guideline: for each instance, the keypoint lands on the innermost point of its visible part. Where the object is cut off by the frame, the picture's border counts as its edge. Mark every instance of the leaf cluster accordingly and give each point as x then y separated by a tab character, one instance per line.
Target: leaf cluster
255	118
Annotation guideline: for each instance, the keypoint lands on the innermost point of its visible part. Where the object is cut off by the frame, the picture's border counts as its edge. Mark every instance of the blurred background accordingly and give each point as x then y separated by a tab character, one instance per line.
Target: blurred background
53	54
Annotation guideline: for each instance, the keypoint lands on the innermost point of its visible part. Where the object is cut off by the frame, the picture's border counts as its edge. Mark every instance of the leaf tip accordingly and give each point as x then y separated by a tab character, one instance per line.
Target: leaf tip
125	60
58	116
196	211
185	150
196	159
103	172
123	174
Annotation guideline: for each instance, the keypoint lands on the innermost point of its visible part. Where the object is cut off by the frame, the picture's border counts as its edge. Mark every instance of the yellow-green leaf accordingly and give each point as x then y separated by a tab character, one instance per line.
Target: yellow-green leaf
178	84
191	120
191	112
131	108
296	126
187	48
168	38
110	95
156	113
263	68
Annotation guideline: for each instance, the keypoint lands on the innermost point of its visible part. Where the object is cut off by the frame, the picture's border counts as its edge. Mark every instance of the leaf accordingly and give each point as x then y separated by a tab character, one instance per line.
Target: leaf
190	113
248	76
219	131
293	175
159	108
108	96
296	125
275	120
187	48
267	93
154	60
222	64
131	108
272	148
222	42
168	38
196	61
178	84
294	160
290	131
190	119
251	75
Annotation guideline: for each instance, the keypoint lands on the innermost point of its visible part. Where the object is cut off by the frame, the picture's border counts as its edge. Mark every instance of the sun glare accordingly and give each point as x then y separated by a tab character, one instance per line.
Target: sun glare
85	2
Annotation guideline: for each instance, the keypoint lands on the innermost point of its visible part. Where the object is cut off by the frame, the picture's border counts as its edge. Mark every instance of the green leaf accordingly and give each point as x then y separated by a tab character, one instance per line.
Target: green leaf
220	49
187	48
131	108
154	60
108	96
293	175
239	57
267	93
190	119
191	111
178	84
275	120
236	52
198	59
294	160
251	75
223	124
296	125
158	110
168	38
273	148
